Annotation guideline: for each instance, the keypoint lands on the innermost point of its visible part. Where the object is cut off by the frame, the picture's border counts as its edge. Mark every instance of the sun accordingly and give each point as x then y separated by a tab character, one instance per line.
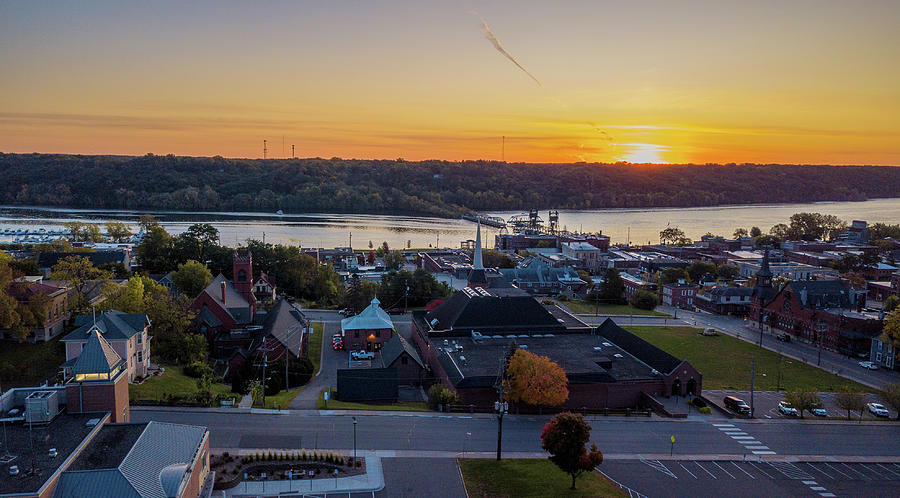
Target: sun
642	153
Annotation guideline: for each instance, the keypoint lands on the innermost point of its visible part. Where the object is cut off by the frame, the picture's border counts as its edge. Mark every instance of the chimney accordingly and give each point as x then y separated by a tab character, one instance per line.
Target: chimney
223	294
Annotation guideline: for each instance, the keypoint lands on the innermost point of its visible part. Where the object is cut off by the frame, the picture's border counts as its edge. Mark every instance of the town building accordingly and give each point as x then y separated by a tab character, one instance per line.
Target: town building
396	365
77	441
537	277
264	288
787	270
125	332
586	255
680	294
57	305
47	260
166	281
724	300
225	305
633	284
368	330
884	354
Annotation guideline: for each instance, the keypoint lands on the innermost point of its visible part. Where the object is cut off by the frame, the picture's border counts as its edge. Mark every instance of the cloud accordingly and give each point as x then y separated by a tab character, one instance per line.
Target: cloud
601	131
493	39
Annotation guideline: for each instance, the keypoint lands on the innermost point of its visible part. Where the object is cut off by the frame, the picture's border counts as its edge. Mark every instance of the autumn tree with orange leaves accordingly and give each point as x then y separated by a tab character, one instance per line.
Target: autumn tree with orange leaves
535	380
565	437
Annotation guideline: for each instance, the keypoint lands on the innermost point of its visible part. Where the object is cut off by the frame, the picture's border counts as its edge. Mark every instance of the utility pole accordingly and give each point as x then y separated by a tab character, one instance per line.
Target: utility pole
752	377
501	407
265	364
821	331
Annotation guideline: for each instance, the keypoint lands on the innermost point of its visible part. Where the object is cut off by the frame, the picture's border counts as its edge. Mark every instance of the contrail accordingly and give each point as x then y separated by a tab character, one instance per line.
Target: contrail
490	36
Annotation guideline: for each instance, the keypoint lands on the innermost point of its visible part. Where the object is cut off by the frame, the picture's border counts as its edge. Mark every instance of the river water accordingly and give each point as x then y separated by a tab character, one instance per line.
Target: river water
333	230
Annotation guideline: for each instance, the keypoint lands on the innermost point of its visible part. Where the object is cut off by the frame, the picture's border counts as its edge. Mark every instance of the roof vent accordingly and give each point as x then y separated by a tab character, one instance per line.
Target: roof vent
434	322
607	344
462	359
598	348
52	453
617	355
92	422
13	470
654	372
523	346
446	342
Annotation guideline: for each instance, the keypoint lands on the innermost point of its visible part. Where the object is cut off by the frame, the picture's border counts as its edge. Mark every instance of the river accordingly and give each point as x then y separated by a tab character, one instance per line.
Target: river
333	230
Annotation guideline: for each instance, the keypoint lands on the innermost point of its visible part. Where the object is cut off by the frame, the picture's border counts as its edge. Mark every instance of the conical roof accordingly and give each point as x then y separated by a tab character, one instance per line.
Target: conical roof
97	357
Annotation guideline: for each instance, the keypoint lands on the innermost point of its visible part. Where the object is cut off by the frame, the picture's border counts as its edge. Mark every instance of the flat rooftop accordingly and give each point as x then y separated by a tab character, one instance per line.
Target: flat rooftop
64	433
476	364
109	447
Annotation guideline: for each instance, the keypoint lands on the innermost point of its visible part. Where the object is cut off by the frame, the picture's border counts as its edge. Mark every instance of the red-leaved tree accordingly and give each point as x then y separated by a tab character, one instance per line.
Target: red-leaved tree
536	380
565	437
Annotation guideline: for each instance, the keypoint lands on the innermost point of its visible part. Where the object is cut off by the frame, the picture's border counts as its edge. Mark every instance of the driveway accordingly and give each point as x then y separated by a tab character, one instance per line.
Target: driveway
766	404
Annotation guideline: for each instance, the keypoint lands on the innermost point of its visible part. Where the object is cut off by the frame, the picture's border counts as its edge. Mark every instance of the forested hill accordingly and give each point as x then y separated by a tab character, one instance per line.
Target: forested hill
438	188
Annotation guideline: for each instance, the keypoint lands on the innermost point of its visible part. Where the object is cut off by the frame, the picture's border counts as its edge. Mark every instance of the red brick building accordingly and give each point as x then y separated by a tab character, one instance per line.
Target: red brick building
368	330
57	307
225	305
680	294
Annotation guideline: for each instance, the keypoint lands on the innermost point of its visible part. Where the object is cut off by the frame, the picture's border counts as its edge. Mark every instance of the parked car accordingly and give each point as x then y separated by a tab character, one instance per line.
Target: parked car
819	412
878	410
347	312
786	409
737	405
709	332
337	342
395	311
869	365
362	355
783	337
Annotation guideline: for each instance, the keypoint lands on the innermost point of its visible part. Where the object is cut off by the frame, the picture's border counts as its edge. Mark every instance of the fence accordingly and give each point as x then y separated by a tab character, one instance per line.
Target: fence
626	412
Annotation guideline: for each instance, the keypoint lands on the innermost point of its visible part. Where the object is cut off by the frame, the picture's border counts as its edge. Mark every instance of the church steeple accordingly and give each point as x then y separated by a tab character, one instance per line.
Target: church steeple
477	277
764	275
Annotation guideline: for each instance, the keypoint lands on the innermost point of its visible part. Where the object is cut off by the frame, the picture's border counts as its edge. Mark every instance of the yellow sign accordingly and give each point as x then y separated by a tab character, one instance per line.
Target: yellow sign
673	439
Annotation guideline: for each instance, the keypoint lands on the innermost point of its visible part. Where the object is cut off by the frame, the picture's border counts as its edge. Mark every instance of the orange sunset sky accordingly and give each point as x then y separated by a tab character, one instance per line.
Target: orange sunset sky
647	81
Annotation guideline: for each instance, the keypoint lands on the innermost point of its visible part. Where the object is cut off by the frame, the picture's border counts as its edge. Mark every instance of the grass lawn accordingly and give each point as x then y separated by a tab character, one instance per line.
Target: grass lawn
333	404
582	307
173	383
529	478
724	362
26	364
283	398
315	345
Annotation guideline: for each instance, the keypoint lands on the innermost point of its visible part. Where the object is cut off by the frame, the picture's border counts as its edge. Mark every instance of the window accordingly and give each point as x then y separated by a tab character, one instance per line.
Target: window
242	275
140	338
140	356
356	334
377	333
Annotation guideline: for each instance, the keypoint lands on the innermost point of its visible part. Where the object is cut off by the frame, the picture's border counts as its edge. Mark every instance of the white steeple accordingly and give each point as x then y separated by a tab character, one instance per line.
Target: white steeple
476	260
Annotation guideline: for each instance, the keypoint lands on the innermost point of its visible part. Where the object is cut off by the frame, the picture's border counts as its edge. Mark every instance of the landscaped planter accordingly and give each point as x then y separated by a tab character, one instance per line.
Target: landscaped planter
230	469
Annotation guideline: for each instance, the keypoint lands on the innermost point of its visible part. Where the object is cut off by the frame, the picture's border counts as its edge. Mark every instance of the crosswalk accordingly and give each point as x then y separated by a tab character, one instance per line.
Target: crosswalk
749	442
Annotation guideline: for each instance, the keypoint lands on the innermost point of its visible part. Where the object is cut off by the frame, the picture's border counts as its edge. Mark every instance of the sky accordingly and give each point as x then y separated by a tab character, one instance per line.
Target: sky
807	82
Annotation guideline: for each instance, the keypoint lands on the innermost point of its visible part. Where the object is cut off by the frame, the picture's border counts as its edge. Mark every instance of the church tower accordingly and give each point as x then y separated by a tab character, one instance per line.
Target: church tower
243	273
477	277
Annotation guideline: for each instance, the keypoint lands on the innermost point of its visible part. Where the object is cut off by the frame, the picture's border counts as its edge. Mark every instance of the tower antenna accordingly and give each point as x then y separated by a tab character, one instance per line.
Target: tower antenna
282	146
292	151
265	150
503	149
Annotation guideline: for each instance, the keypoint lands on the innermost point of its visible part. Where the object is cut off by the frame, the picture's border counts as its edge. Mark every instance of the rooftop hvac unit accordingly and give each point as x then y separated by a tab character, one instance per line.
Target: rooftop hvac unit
462	360
41	407
523	346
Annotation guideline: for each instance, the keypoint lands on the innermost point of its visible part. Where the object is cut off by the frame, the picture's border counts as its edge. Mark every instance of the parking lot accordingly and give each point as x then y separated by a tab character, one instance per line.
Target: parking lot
739	478
766	404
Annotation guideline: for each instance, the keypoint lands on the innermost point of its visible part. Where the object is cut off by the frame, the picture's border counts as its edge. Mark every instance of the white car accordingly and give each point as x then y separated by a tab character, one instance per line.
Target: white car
878	410
869	365
787	409
362	355
819	412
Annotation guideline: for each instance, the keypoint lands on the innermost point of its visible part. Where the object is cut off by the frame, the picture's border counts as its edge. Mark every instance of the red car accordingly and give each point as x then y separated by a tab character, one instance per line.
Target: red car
395	311
337	342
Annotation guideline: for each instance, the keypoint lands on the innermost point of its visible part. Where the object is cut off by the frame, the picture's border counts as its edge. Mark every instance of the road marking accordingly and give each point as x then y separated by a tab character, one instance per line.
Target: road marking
810	483
758	447
742	470
631	493
763	452
688	471
656	464
743	438
734	432
704	469
817	488
858	472
723	470
887	469
760	470
790	470
827	495
836	470
722	425
819	470
871	470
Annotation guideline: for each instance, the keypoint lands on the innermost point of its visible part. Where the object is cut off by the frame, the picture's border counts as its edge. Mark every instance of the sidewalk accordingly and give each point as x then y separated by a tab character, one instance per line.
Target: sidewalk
370	482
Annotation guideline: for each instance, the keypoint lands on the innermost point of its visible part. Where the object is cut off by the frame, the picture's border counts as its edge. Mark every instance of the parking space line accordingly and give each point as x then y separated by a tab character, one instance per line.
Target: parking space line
723	425
879	474
827	495
760	470
817	488
723	470
858	472
810	483
763	452
688	471
704	470
887	469
738	438
757	446
819	470
742	470
836	470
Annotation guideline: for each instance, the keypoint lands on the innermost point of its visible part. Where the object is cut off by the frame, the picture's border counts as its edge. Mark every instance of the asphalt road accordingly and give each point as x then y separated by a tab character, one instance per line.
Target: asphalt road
412	432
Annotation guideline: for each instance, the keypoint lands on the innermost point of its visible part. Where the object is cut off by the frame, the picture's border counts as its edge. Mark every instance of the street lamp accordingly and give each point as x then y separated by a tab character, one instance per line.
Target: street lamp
501	408
354	439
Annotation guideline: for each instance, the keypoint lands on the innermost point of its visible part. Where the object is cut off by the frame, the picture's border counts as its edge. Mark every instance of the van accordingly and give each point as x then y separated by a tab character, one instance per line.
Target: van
783	337
737	405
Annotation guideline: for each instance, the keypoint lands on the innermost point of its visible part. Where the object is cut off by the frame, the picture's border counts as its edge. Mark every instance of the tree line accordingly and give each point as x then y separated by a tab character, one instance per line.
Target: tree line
440	188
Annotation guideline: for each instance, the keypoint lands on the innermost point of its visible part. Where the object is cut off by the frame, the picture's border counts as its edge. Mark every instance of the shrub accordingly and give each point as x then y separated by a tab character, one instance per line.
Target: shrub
303	456
198	369
644	300
438	394
698	402
562	297
705	410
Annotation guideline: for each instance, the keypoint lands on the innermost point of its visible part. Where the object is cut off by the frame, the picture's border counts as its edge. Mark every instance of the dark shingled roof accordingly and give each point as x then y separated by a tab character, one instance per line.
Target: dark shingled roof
235	304
282	324
479	312
393	348
113	324
642	350
821	293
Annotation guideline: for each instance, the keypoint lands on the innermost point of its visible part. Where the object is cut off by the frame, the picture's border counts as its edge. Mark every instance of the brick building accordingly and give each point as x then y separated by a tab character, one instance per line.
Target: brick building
224	304
368	330
125	332
680	294
57	307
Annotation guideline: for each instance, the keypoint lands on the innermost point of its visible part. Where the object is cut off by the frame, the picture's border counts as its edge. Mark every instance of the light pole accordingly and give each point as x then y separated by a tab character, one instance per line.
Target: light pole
501	407
354	439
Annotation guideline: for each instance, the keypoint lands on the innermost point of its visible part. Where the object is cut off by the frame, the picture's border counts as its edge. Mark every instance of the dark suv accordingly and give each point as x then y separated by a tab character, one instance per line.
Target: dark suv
737	405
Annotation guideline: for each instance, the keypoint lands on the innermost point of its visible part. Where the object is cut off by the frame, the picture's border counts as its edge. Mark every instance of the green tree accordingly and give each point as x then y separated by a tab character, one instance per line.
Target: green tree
890	332
393	260
644	300
890	395
83	232
672	275
565	437
847	263
851	401
79	273
802	400
728	272
740	233
496	259
891	303
197	242
698	269
256	390
755	232
612	288
118	231
155	252
192	277
671	235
